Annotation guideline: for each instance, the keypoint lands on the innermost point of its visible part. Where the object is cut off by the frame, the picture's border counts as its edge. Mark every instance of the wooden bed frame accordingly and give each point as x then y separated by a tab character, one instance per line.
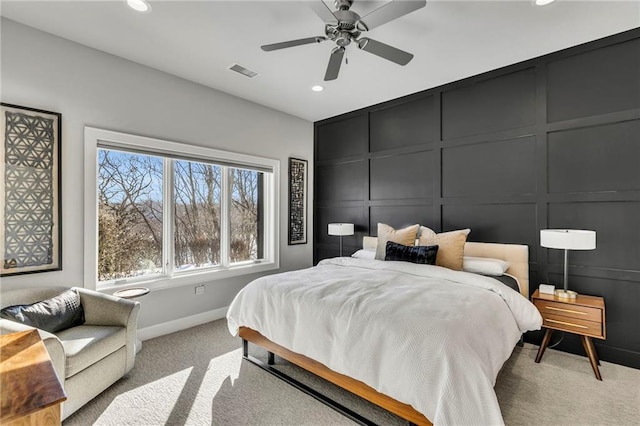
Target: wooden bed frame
516	255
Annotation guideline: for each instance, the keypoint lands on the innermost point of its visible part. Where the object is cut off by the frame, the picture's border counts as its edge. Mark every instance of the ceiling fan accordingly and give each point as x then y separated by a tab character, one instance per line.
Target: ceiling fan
344	26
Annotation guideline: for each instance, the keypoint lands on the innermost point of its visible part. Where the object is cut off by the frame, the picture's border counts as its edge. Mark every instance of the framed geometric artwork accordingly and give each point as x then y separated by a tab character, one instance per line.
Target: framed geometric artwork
30	189
297	201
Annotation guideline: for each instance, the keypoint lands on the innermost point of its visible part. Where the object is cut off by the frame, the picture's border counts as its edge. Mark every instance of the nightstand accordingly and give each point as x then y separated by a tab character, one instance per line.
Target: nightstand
583	315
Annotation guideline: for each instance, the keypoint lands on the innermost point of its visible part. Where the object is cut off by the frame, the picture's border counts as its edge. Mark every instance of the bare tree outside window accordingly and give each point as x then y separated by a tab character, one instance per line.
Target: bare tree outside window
129	215
246	229
197	215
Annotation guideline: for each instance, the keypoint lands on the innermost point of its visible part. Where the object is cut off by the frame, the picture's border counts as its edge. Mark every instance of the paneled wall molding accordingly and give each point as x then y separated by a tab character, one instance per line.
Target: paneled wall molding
553	142
508	134
596	120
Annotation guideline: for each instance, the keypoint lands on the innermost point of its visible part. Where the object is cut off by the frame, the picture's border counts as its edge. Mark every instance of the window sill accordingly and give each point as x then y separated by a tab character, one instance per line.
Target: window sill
159	282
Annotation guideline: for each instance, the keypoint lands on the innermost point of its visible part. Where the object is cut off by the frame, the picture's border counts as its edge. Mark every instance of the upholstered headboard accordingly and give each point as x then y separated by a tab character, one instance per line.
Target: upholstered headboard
516	254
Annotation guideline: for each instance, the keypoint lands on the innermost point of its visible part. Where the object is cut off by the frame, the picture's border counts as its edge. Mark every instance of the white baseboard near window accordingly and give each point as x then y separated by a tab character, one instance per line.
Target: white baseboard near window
181	324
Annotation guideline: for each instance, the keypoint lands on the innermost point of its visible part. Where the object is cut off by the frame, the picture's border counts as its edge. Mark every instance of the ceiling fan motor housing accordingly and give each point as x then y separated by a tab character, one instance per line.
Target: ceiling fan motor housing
345	30
346	19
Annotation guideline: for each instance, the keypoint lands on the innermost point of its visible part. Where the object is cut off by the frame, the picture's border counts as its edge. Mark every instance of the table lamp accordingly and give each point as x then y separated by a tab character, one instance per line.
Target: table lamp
567	239
341	229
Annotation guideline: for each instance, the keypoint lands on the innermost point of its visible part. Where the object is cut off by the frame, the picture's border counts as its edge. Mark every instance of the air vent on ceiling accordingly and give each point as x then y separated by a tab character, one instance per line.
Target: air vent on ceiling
244	71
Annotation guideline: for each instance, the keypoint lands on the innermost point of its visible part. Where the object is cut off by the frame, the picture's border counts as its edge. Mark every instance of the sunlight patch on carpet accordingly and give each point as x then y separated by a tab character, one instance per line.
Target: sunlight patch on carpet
221	369
154	400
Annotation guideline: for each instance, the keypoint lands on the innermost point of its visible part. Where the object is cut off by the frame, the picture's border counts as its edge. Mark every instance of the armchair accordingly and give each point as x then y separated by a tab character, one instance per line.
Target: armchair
87	358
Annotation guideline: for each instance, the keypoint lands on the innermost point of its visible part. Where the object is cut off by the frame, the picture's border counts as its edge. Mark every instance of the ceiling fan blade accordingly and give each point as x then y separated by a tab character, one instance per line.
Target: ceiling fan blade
388	12
292	43
385	51
335	60
323	12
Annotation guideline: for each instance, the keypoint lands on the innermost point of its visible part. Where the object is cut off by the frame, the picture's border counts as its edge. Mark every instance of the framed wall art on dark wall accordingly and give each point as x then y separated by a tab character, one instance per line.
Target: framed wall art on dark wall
297	201
30	189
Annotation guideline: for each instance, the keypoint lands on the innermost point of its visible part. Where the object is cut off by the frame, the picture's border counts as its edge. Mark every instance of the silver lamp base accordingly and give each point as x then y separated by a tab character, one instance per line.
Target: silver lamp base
566	294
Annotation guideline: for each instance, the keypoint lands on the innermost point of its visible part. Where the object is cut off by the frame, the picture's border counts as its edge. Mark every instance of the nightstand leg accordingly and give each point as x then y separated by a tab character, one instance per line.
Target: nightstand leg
584	345
545	343
595	354
591	353
586	349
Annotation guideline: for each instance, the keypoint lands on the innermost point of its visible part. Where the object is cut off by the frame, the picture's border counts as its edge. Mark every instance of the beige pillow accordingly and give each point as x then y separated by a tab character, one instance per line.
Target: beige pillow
405	236
450	246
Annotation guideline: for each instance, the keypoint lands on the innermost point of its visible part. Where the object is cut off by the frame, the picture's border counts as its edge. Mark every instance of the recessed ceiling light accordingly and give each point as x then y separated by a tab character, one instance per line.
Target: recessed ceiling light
139	5
543	2
317	88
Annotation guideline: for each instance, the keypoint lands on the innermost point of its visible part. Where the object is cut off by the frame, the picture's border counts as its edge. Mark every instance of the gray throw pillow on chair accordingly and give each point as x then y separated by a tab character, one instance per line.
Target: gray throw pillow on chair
57	313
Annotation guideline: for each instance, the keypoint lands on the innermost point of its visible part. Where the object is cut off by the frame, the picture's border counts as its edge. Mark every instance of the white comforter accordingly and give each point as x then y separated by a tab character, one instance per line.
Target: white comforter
424	335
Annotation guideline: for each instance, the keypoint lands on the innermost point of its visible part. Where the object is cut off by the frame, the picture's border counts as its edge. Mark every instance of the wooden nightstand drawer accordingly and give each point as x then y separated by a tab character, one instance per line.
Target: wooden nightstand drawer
548	307
573	325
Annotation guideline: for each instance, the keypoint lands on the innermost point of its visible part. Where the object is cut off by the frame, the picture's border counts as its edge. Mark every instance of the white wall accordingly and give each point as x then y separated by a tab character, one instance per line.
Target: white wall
90	87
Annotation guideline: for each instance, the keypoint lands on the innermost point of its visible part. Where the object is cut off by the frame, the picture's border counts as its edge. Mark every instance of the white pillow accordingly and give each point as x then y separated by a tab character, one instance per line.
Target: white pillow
365	254
484	265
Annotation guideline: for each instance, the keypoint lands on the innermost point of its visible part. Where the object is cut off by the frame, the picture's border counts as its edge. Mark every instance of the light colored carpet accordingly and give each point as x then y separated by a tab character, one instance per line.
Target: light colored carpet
197	377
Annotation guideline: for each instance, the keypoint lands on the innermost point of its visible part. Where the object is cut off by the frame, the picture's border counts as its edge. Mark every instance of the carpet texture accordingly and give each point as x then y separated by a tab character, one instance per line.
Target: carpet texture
197	377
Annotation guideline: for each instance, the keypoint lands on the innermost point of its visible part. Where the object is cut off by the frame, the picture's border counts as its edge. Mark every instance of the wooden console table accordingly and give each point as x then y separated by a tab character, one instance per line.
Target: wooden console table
31	391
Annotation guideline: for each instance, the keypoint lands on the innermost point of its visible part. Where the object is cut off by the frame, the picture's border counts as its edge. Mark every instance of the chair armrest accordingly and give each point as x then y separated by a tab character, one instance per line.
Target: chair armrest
104	309
51	342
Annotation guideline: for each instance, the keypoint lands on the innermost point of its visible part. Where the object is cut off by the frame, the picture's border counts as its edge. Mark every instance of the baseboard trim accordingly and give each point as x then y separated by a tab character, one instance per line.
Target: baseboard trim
181	323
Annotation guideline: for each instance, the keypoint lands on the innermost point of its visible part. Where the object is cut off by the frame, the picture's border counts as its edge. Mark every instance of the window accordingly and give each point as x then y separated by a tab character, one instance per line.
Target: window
166	213
130	218
197	210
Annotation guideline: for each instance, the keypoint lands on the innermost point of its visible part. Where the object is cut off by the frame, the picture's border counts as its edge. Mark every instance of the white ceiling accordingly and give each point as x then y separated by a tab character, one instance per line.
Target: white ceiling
200	40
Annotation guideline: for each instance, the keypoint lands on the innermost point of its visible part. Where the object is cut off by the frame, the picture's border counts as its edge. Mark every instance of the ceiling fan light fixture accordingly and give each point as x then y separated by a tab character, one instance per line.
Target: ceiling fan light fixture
317	88
139	6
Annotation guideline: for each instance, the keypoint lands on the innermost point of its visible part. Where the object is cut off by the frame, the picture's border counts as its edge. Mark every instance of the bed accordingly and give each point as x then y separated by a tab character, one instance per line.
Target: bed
423	342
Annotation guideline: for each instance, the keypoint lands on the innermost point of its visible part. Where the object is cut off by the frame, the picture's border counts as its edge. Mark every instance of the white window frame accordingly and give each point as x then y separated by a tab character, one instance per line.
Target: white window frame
96	139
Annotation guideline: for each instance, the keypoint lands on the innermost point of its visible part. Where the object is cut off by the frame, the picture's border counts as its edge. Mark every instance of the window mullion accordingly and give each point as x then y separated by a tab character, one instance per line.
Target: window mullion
225	228
168	219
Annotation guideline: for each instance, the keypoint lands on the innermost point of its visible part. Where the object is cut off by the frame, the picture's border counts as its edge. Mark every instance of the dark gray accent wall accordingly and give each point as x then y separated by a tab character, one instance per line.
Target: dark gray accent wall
553	142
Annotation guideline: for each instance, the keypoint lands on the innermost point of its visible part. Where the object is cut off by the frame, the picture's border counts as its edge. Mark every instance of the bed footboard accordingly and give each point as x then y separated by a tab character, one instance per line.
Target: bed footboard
356	387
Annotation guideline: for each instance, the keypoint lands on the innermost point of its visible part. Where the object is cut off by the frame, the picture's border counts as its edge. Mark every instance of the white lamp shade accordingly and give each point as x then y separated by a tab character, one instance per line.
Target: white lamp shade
568	239
341	229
